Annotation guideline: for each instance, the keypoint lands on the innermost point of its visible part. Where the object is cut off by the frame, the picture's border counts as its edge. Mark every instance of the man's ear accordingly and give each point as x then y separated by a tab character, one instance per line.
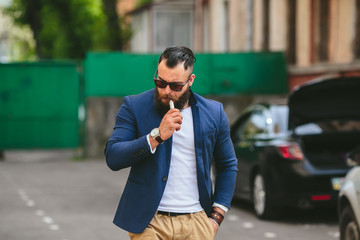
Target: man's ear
192	78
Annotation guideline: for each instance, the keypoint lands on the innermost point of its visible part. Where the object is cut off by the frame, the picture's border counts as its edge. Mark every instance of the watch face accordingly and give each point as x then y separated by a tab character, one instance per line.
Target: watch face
154	133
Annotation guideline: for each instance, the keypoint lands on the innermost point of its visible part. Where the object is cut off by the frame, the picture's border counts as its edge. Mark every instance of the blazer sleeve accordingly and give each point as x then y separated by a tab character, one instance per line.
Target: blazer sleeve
124	149
225	163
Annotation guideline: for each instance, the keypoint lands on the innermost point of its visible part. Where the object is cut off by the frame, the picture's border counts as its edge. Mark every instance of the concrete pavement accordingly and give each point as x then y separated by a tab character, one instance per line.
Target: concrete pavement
46	195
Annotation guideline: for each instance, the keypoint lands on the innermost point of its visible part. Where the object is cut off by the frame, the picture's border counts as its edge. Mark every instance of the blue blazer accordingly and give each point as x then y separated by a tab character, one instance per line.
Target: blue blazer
128	147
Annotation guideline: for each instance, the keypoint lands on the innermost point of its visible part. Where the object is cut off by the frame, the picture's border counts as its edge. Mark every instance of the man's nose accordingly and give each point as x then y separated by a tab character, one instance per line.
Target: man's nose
167	89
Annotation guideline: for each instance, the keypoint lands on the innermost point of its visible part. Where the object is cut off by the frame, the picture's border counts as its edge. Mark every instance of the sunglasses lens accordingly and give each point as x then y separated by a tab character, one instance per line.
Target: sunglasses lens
160	84
176	87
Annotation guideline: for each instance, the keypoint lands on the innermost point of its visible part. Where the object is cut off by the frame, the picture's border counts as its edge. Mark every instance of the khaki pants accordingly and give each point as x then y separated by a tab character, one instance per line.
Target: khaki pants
193	226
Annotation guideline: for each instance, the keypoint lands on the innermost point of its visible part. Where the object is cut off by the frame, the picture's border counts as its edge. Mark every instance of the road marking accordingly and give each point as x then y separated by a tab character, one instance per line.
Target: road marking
54	227
270	235
39	212
334	234
21	192
23	195
48	220
232	218
30	203
25	198
248	225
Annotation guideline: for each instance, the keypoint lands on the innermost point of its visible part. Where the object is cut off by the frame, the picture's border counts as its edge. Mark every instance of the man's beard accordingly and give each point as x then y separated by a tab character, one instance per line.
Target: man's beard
179	104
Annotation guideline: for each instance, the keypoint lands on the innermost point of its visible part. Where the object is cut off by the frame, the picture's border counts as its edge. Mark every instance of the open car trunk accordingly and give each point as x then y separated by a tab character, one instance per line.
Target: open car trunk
328	114
329	150
325	100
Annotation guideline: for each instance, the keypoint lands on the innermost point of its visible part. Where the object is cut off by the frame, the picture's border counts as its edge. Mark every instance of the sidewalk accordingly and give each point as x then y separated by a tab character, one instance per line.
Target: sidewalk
45	195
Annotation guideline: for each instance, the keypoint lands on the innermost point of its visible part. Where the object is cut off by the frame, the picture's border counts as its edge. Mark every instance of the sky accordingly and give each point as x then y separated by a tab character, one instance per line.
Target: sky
4	3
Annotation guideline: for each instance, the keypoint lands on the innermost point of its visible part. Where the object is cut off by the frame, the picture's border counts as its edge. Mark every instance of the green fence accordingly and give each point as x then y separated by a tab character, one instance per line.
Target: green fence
40	102
39	105
120	74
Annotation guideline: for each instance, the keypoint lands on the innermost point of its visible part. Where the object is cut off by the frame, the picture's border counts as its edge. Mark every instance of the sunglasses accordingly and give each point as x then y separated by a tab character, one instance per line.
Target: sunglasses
175	86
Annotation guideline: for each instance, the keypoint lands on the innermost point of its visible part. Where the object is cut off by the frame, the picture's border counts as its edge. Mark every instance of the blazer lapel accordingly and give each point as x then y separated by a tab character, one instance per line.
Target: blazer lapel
205	200
198	140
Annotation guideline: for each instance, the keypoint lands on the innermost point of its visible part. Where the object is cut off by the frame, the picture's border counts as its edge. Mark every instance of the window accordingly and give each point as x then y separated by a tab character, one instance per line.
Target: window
256	124
356	44
206	27
291	45
172	28
250	125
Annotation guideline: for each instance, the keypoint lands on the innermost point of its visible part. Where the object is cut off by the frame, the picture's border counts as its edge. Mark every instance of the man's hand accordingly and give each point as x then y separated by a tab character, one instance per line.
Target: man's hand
215	226
171	122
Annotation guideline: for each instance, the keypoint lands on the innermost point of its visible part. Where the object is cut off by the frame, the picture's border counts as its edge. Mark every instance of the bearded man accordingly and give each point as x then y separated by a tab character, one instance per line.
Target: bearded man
169	193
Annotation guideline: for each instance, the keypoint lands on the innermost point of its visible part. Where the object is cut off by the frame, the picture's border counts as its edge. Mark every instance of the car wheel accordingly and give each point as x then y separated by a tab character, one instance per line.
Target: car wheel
260	197
349	229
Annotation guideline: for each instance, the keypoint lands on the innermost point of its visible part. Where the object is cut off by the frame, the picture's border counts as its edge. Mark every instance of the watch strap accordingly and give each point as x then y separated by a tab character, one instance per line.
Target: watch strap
159	140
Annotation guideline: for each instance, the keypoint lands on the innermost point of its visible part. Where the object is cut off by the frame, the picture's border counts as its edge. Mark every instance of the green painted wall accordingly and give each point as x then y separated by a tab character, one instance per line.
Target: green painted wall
39	105
121	74
39	102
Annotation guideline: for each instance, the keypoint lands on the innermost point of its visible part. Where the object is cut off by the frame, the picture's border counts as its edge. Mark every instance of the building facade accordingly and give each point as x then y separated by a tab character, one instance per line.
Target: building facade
317	37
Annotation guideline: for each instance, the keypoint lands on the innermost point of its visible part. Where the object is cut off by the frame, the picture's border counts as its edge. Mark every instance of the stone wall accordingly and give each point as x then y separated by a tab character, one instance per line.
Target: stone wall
101	113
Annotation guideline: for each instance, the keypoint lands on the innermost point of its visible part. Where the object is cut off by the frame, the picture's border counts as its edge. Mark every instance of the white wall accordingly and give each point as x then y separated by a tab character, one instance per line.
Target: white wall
140	38
278	25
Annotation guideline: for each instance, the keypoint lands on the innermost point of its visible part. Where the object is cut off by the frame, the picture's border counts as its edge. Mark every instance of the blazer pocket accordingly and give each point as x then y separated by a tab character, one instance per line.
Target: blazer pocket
209	132
209	140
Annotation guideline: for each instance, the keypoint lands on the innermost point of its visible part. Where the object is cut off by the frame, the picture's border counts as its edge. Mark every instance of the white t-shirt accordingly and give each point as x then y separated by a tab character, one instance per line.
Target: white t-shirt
181	192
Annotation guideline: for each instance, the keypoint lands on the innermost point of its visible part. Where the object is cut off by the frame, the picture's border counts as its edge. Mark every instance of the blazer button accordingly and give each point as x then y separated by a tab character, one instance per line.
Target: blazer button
164	179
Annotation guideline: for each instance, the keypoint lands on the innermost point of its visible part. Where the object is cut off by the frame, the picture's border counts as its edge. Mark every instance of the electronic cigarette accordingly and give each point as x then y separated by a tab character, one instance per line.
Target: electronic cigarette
171	103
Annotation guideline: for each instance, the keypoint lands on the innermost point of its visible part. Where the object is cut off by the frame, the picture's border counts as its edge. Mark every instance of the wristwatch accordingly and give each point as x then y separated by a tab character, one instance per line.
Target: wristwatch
155	134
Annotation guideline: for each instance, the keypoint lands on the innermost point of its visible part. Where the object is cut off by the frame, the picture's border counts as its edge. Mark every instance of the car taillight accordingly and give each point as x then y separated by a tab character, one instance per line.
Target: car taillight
320	197
291	151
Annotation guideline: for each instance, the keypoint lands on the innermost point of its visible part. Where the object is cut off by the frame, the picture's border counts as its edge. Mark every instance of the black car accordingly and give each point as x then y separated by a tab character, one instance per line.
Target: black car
295	155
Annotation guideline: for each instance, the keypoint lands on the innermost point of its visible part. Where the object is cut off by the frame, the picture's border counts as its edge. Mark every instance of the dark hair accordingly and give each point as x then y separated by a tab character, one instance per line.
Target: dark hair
176	55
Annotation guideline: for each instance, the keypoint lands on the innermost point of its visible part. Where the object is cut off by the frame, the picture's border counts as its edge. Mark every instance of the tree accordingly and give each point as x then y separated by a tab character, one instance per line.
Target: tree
70	28
27	12
113	24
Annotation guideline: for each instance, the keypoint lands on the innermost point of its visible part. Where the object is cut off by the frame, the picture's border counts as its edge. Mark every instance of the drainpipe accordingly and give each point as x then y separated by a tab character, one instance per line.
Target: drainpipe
250	25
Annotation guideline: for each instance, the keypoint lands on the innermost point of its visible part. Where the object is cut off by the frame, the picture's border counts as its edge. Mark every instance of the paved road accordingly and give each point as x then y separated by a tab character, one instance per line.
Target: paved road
48	196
